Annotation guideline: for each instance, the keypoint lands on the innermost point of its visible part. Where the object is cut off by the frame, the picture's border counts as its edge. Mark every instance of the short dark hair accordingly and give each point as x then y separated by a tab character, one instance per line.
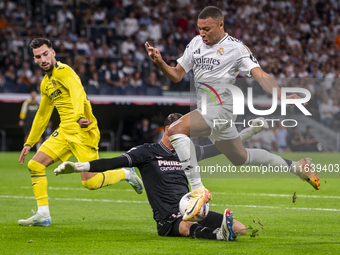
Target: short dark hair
38	42
171	119
211	12
33	89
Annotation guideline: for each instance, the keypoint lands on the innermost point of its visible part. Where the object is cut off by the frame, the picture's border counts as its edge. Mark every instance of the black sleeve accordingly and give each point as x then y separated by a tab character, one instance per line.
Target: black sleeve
207	151
134	157
104	164
138	155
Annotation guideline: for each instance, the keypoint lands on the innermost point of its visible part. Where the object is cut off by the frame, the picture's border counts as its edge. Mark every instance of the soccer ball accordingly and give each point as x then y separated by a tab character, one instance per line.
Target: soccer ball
183	205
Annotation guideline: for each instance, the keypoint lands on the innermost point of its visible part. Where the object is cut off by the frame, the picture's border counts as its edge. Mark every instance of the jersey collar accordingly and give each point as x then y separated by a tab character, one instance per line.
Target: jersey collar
166	149
56	66
226	35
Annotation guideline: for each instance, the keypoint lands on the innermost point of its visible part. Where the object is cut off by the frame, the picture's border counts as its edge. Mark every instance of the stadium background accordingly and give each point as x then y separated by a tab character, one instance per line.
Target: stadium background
104	42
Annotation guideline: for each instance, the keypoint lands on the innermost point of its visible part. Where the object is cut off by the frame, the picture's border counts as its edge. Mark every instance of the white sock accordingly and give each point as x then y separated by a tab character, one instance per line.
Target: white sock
257	157
260	157
185	150
219	235
44	210
127	174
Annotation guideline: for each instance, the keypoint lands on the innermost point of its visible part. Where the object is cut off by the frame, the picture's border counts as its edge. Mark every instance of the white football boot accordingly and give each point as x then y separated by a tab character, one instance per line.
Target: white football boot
134	180
226	229
36	220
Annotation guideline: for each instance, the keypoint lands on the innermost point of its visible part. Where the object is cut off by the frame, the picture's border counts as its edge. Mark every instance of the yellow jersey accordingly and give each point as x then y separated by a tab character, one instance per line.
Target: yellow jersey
63	90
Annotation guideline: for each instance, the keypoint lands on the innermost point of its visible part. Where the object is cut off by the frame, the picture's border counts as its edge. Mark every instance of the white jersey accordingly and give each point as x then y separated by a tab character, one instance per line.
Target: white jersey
216	65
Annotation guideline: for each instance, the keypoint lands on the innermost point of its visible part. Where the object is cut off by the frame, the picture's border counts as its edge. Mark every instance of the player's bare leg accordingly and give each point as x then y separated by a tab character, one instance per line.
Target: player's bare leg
37	167
86	175
227	232
191	124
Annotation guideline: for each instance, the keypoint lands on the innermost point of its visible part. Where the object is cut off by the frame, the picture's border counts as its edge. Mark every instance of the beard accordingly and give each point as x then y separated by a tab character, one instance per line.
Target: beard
50	68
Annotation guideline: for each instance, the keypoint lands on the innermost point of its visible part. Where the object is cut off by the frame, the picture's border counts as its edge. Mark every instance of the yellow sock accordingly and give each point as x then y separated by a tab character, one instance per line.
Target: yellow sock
39	181
104	179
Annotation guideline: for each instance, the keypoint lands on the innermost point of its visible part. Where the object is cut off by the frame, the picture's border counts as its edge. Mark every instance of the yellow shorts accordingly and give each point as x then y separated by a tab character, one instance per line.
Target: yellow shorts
83	145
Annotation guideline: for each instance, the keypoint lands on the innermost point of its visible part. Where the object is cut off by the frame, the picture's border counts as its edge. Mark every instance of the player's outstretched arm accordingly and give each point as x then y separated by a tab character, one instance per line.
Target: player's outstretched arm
175	74
67	168
268	83
265	80
99	165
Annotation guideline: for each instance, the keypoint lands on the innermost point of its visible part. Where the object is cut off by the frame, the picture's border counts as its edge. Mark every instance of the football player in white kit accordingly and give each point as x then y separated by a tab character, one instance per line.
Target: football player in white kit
216	58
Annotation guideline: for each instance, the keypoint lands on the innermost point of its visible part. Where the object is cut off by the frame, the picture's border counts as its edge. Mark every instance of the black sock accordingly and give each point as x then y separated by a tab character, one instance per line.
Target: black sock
289	162
198	231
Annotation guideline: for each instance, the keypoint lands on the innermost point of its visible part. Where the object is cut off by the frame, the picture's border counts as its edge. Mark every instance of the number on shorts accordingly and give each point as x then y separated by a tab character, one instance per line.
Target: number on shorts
55	133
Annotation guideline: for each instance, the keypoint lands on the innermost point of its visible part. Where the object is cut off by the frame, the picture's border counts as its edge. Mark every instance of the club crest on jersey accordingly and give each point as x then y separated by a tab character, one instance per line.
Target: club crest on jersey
54	83
220	52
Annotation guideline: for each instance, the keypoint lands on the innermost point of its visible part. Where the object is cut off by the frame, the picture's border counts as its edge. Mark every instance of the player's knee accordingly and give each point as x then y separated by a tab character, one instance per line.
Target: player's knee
36	168
172	130
30	165
90	185
96	182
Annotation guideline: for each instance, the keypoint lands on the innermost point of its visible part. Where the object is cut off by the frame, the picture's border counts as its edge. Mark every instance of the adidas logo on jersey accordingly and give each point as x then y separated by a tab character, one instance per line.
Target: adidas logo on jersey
198	51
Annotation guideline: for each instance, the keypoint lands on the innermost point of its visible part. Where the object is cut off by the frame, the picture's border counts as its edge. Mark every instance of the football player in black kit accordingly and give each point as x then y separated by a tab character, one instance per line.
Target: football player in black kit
161	171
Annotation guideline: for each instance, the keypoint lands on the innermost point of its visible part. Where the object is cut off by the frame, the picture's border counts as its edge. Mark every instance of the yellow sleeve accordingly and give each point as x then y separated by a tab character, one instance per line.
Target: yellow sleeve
72	82
23	110
40	121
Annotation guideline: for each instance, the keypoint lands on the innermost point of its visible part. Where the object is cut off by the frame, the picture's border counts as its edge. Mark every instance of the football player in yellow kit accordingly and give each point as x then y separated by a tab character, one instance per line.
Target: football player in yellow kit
78	133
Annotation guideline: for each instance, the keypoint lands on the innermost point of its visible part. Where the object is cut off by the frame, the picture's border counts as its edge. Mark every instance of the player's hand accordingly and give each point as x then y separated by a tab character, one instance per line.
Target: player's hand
83	123
23	153
65	168
295	96
153	53
21	123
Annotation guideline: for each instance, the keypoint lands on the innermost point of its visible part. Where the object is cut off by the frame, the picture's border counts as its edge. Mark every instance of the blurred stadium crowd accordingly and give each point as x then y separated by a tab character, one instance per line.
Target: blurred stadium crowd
103	40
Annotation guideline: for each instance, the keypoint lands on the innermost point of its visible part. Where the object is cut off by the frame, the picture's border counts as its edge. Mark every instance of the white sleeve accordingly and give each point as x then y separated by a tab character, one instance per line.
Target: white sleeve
107	74
245	59
186	60
120	74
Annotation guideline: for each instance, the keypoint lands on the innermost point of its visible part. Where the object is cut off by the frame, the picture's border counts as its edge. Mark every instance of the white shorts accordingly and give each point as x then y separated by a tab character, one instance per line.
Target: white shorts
219	119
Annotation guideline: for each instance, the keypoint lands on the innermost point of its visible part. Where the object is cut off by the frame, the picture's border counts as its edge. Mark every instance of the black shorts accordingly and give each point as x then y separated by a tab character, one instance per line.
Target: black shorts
170	226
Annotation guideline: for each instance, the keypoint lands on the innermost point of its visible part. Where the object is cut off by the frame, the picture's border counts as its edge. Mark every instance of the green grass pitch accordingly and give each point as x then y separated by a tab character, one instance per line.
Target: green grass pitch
115	220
